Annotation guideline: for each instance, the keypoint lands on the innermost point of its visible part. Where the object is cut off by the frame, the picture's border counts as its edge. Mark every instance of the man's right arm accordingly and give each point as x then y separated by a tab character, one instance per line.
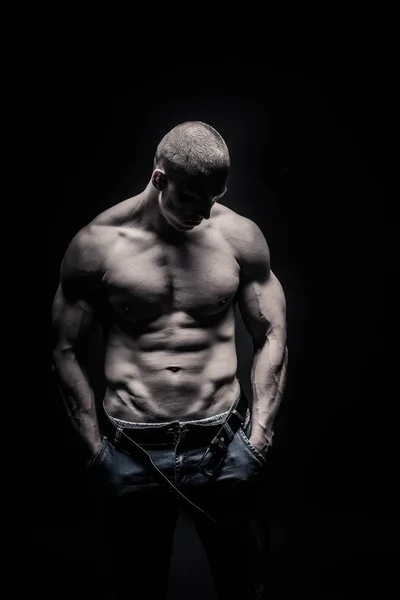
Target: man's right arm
73	321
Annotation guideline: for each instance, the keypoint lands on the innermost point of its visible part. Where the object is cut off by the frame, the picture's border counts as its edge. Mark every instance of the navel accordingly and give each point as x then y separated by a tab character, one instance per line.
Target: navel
174	369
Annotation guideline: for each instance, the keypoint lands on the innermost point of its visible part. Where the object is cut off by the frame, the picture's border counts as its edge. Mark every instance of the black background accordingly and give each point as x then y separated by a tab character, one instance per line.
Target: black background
311	143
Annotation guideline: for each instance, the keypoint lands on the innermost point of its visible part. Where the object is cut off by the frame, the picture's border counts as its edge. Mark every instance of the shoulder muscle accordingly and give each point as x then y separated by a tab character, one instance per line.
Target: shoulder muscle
250	247
82	265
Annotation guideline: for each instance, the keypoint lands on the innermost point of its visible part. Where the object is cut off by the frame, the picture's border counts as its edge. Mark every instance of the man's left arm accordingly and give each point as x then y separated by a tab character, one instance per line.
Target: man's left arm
262	304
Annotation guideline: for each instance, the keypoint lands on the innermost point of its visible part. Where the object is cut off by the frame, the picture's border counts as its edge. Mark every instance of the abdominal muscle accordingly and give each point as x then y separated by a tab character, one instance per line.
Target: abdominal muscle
165	375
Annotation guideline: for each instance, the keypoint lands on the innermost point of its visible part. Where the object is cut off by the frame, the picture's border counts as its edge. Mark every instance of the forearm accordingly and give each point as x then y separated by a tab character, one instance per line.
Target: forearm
268	378
78	397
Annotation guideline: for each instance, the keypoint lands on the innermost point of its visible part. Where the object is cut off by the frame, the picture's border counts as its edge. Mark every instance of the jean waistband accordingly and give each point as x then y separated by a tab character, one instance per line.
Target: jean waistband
198	430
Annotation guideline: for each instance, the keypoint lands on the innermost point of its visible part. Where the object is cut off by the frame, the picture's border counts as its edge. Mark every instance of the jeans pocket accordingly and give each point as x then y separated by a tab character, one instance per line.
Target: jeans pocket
96	459
250	448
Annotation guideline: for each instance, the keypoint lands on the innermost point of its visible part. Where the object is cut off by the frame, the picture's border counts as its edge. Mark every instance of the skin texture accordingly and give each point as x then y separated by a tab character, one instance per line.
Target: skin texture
164	291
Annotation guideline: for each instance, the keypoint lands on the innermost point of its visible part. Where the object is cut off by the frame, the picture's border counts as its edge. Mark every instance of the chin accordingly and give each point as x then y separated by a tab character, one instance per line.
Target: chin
180	226
177	225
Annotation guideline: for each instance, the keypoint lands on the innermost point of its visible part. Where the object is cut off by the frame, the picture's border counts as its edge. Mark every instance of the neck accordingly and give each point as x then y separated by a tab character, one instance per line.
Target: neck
153	216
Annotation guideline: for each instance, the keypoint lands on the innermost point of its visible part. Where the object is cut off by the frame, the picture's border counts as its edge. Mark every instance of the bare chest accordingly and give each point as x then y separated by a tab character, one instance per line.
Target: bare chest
147	280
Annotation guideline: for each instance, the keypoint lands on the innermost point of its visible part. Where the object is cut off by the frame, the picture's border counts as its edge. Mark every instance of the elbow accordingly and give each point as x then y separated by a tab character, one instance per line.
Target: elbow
278	335
275	337
275	334
61	355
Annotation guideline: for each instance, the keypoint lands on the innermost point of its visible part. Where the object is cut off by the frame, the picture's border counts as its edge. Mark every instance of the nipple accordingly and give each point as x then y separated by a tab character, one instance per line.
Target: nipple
222	301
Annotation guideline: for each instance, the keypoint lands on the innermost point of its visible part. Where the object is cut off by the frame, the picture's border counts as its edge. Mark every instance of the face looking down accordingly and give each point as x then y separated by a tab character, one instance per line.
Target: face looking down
184	203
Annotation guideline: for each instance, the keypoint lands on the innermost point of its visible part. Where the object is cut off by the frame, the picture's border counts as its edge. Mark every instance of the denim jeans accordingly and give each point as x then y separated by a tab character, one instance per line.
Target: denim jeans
140	515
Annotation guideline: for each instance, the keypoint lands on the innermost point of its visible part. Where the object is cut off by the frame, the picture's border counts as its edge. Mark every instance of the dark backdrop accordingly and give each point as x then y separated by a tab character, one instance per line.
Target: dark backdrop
312	165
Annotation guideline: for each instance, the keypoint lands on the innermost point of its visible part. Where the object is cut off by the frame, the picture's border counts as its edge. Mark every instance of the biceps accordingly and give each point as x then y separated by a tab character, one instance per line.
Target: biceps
263	309
72	321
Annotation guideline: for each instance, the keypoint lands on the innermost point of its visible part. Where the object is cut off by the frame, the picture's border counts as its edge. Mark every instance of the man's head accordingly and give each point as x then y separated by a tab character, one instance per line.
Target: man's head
191	170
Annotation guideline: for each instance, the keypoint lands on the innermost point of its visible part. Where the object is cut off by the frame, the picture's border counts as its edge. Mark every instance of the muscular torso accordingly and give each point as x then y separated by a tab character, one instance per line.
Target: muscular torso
170	336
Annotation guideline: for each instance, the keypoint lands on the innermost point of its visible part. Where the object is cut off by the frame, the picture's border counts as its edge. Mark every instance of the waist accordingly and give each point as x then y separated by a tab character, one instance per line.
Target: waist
196	431
158	400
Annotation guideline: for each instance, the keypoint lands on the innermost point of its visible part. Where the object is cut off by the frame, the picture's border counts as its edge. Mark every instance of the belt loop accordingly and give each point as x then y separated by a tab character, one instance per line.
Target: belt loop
118	434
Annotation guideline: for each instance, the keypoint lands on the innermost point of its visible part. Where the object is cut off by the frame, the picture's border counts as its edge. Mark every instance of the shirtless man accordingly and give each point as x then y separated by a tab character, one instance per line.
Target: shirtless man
161	273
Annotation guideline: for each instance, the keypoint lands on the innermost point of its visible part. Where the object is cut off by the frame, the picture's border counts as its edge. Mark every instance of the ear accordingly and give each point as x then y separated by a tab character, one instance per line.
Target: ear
159	179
